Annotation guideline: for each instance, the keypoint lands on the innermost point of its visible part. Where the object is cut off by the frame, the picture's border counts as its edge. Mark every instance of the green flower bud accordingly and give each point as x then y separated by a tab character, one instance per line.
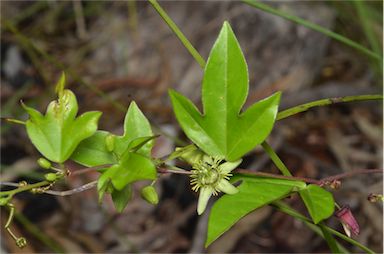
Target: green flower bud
150	195
110	142
50	177
192	155
44	163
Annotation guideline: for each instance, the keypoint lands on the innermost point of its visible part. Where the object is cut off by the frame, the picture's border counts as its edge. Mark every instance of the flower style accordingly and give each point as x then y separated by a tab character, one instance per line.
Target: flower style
211	176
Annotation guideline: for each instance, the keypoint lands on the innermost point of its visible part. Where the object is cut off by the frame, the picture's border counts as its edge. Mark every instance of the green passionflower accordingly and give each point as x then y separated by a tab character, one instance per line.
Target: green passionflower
211	176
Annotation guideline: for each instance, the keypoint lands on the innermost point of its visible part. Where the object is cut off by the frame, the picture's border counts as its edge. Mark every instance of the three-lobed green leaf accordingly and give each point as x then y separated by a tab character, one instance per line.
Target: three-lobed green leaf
57	133
254	192
223	130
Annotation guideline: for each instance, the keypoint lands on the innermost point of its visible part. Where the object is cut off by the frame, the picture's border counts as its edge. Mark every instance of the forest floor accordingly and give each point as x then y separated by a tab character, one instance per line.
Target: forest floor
115	51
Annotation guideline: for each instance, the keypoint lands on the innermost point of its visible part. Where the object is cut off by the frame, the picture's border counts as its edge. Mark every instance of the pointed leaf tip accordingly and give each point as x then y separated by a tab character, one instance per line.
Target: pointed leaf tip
61	84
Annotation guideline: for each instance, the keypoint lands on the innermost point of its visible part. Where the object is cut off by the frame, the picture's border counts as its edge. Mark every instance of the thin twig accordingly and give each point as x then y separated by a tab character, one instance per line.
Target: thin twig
73	191
9	184
351	173
199	59
311	180
286	177
172	171
25	188
324	102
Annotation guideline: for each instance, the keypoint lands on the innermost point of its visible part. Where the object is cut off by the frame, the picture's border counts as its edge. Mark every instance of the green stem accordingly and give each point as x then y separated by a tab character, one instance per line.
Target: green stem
24	188
199	59
324	102
292	212
313	26
350	240
332	243
16	121
275	158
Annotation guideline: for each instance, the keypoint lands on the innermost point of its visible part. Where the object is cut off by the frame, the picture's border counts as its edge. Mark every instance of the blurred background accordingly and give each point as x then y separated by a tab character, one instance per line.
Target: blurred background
114	52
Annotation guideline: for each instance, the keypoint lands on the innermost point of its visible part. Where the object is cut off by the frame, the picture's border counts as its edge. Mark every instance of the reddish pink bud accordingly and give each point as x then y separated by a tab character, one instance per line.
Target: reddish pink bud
348	221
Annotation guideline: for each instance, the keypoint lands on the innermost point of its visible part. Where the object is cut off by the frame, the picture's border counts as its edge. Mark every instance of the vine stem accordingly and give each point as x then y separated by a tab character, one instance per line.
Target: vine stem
199	59
24	188
82	188
311	180
275	158
173	171
324	102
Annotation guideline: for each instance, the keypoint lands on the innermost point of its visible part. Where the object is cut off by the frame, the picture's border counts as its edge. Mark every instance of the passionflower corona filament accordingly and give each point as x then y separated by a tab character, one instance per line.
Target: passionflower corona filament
210	175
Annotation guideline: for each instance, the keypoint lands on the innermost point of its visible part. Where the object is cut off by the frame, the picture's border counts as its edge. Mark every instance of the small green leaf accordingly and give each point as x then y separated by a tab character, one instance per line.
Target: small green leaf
138	143
59	88
319	202
93	151
130	168
254	192
104	184
136	126
223	130
106	148
57	133
122	197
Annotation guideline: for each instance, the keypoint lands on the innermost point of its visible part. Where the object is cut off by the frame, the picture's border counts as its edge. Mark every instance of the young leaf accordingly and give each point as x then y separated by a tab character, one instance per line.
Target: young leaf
57	133
96	151
136	126
222	130
137	143
93	151
130	168
254	192
122	197
319	202
103	184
